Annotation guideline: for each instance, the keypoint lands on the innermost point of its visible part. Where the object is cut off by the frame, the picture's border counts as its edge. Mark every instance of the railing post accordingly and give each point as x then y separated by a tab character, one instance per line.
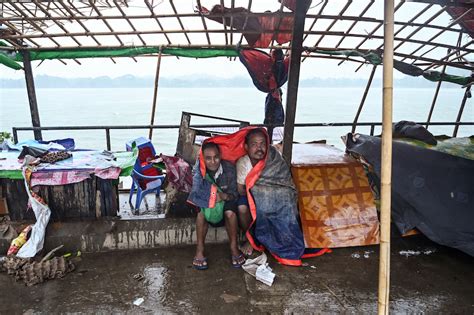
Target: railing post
15	135
107	137
372	129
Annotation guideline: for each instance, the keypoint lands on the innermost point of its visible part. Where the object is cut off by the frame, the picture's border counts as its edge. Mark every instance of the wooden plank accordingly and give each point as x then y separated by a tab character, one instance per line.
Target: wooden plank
293	78
30	88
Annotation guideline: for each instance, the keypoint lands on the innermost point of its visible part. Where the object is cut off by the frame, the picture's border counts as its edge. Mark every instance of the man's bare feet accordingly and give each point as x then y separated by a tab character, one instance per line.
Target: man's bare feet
246	248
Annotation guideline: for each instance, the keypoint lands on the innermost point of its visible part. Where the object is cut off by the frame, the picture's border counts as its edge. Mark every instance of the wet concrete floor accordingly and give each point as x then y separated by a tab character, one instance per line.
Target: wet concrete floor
426	278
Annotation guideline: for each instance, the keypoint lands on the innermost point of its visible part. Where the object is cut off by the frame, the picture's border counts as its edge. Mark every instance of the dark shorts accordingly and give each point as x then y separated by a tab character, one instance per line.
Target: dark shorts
230	205
243	201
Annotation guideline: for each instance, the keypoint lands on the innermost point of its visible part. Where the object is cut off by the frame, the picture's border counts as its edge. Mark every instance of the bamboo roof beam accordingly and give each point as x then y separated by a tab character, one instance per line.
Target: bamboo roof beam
412	20
36	26
232	6
275	32
203	20
315	18
117	5
56	22
156	19
453	52
375	29
346	6
380	37
367	7
282	14
442	31
429	20
439	62
223	24
245	21
78	21
180	22
105	21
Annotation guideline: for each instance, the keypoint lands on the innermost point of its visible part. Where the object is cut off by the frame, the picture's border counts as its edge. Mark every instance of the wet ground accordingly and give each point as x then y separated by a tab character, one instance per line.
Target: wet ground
426	278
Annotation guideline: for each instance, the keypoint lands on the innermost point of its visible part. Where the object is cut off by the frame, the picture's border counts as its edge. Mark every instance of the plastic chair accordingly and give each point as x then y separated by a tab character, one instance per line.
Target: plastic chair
145	177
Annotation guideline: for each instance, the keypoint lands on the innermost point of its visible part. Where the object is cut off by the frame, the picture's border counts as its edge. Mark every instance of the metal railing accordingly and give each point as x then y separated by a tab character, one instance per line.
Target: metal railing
108	128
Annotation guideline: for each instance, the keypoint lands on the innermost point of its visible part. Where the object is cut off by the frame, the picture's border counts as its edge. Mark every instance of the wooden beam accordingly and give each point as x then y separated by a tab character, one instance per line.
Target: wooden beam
30	88
293	78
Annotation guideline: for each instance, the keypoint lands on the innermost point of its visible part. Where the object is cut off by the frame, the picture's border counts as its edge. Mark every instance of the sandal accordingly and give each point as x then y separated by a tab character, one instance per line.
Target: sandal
200	263
238	261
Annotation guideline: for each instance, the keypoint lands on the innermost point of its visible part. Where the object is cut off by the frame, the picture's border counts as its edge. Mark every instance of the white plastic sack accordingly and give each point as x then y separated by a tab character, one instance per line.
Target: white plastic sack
37	235
258	267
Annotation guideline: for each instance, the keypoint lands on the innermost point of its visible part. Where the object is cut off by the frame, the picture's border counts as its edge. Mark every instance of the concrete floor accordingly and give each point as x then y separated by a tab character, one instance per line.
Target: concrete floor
426	278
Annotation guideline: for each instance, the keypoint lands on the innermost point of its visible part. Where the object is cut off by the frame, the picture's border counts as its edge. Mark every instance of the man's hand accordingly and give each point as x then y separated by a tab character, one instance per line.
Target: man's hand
222	196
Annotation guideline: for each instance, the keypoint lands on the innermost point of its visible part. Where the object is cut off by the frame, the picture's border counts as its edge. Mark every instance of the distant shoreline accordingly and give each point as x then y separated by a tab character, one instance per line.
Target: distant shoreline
130	81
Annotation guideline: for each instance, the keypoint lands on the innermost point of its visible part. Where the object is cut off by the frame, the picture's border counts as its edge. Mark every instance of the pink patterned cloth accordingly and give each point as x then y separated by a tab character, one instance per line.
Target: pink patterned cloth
71	177
178	173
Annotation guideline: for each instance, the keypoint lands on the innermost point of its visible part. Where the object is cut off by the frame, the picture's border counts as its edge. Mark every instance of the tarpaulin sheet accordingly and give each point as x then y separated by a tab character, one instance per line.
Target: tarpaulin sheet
431	190
10	60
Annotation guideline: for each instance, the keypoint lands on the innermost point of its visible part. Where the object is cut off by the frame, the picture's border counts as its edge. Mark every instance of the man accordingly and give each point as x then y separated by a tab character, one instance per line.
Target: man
256	148
214	181
267	202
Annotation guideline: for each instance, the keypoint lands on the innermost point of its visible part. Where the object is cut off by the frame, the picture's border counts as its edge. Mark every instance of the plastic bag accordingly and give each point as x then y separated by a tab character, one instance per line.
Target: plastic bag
216	214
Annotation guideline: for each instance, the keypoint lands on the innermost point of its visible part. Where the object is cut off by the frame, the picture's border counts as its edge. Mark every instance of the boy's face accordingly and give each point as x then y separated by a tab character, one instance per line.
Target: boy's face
212	159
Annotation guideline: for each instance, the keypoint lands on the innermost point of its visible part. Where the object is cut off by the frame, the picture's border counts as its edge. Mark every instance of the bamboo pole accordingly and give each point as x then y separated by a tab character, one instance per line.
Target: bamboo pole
435	98
155	95
467	94
362	101
386	167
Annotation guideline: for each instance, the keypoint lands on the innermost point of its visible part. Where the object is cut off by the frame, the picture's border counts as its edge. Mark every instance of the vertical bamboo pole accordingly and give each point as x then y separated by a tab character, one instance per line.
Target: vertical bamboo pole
384	264
155	95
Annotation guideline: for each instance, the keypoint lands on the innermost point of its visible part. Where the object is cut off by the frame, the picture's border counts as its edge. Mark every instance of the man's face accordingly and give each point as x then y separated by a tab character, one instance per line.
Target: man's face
212	159
256	147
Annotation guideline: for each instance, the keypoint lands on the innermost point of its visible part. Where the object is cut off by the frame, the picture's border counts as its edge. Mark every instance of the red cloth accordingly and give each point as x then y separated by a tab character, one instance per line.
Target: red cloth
272	25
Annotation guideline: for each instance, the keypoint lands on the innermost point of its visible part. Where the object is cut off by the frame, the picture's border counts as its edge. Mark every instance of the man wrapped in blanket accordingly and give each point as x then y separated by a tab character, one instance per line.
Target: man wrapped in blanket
268	204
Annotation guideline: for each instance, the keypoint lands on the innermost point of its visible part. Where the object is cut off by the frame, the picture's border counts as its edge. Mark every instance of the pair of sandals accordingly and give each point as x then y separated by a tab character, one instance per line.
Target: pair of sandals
201	263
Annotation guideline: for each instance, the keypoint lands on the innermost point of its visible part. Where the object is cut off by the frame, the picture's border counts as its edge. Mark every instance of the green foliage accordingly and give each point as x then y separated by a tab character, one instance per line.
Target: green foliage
4	136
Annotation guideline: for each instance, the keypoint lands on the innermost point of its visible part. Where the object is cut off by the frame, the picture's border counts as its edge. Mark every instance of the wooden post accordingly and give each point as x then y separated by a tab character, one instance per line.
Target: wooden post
467	94
155	95
386	167
362	101
30	88
293	78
